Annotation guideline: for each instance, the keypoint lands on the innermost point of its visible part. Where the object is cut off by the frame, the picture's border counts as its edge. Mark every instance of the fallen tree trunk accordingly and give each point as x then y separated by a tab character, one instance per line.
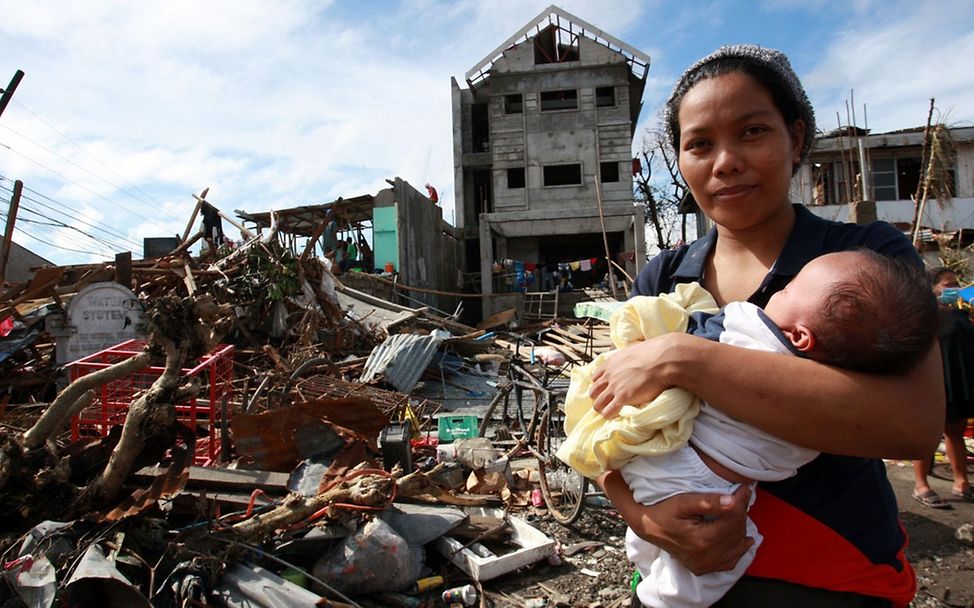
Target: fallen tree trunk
71	399
153	409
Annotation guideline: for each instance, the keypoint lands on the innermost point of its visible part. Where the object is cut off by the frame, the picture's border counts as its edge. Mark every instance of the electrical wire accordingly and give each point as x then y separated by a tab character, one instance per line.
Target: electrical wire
68	179
60	247
95	158
57	237
128	242
77	166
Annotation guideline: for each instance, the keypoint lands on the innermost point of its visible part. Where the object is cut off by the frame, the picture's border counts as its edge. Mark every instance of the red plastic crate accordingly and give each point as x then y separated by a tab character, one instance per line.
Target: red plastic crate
214	371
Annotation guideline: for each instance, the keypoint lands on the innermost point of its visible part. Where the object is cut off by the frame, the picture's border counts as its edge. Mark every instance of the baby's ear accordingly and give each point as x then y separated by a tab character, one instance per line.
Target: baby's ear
801	338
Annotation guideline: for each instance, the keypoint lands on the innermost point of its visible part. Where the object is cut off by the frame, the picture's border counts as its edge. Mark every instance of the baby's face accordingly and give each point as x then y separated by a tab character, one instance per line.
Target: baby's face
801	300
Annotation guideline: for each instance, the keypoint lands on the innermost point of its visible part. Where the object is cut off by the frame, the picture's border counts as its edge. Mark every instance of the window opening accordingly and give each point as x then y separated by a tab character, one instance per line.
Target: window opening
513	104
559	100
609	172
480	127
563	175
605	97
515	178
555	45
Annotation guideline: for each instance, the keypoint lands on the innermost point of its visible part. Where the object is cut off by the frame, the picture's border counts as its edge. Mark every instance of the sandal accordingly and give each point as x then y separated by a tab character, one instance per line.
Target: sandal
967	494
931	499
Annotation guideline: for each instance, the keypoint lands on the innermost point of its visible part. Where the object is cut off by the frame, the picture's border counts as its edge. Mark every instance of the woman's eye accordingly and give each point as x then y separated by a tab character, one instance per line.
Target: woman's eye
697	144
755	130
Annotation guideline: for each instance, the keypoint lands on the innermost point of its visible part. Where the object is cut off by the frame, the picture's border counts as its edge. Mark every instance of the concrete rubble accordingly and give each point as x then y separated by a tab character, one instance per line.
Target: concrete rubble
261	434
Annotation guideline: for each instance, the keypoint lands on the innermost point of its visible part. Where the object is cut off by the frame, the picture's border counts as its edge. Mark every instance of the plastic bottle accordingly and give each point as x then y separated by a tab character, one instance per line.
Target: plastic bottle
466	594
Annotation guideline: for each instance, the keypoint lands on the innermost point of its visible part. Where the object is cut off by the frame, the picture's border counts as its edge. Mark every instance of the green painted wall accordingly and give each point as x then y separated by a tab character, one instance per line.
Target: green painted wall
386	245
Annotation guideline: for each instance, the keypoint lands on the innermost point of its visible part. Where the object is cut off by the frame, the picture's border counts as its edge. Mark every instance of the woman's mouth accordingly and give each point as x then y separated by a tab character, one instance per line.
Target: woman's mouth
731	192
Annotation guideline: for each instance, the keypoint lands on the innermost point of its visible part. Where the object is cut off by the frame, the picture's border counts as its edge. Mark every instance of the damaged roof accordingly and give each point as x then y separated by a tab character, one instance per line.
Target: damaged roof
567	22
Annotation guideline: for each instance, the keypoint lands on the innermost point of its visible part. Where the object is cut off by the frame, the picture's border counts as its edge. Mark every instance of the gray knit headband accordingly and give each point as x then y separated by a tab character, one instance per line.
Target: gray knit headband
771	60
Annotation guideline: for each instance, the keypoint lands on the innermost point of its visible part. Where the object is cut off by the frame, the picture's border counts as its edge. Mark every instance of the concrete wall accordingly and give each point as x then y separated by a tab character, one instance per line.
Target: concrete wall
428	253
588	135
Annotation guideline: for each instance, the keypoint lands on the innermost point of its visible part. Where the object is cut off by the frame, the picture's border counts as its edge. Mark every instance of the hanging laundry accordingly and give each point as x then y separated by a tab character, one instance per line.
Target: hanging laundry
586	265
575	266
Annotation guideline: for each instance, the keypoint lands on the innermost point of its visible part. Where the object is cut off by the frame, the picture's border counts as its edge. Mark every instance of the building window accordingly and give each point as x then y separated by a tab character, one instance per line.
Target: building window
563	175
907	176
605	97
609	172
515	178
513	104
884	179
480	127
559	100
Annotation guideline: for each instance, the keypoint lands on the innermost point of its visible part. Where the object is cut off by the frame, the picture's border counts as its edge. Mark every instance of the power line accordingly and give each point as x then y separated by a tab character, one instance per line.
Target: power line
68	179
60	247
76	165
59	224
108	231
55	230
95	158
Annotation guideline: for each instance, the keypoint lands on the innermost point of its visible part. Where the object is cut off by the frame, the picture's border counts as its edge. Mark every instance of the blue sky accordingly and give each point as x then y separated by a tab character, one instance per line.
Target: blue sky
128	108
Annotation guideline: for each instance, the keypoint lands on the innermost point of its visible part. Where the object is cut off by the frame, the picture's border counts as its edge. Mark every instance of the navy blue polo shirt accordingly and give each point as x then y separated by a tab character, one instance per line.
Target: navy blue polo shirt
838	515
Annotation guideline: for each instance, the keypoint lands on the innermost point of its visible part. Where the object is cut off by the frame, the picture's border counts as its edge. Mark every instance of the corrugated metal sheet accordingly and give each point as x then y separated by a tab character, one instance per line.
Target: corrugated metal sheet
402	358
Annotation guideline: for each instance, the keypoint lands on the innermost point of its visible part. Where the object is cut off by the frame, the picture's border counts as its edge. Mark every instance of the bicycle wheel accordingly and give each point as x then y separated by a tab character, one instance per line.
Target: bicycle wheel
562	487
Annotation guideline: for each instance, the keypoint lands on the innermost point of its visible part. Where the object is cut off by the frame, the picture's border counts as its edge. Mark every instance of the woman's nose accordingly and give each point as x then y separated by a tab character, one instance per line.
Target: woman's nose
727	160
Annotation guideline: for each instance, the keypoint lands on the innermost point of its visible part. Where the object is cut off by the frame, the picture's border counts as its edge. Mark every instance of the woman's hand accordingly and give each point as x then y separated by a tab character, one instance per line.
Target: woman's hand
638	373
704	532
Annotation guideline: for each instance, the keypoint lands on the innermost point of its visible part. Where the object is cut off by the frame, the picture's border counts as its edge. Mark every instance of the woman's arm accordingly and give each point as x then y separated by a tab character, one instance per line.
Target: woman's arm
808	403
704	532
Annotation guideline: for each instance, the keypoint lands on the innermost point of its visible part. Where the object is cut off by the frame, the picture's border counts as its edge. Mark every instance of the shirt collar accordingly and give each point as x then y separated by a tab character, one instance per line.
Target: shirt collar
803	244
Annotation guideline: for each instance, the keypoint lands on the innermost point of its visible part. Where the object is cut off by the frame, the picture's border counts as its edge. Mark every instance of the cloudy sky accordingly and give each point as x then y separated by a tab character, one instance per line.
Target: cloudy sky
128	108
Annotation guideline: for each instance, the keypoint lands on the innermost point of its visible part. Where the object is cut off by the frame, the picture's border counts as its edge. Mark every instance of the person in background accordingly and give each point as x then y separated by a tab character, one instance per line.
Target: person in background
741	125
433	196
340	255
957	351
351	255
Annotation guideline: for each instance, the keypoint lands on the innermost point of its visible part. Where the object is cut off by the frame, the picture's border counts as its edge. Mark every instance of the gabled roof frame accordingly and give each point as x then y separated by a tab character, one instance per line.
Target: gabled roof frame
638	61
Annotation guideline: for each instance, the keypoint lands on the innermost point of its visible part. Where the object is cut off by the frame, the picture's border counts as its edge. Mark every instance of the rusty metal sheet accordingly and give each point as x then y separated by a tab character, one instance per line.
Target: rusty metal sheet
277	440
163	486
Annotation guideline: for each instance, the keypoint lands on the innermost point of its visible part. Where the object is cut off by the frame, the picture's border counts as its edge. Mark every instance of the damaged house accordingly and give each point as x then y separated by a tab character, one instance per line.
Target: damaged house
543	152
895	163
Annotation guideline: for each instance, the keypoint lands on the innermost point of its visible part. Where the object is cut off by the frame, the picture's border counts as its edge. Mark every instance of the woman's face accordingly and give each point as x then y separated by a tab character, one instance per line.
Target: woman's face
736	152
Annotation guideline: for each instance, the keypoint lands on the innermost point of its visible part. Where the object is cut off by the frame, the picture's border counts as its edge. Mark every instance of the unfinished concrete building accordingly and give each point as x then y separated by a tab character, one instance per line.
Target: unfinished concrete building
543	150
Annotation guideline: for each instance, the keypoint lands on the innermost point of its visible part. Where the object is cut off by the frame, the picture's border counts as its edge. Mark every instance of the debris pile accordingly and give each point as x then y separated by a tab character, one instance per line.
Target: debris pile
360	452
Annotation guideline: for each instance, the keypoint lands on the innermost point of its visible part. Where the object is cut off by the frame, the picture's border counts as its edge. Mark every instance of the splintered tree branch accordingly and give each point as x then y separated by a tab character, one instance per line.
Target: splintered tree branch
366	490
71	399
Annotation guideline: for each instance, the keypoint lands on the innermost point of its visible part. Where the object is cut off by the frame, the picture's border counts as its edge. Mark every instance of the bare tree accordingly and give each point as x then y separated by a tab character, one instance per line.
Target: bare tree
660	188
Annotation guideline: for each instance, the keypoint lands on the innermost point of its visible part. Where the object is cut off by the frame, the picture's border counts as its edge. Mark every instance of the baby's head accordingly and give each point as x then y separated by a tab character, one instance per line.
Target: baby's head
859	310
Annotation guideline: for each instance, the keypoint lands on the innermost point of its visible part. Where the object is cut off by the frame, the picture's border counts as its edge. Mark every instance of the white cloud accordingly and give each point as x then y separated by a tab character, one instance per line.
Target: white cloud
895	68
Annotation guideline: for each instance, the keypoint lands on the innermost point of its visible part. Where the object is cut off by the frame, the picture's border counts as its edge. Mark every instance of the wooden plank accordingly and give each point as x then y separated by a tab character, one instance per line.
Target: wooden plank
227	478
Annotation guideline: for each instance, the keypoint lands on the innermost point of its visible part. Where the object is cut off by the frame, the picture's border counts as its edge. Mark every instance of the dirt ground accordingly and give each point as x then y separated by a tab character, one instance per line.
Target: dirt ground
595	572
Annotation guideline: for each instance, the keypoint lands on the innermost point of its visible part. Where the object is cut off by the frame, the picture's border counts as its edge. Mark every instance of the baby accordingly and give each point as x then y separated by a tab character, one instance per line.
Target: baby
856	309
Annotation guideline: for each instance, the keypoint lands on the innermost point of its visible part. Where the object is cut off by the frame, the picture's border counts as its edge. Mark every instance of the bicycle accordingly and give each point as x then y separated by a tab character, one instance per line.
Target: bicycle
562	488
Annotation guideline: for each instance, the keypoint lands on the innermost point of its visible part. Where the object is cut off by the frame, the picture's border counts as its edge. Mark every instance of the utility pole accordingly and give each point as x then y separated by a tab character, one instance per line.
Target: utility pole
8	232
9	91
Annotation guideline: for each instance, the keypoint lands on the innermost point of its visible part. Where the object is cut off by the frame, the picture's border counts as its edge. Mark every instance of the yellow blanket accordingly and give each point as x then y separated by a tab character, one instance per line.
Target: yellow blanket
596	444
